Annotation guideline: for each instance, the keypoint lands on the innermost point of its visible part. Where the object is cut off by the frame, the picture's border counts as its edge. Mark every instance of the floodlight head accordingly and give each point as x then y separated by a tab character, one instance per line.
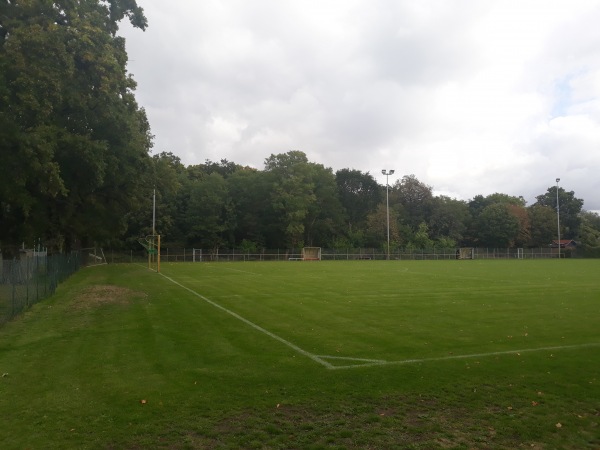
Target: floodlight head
557	180
392	172
383	171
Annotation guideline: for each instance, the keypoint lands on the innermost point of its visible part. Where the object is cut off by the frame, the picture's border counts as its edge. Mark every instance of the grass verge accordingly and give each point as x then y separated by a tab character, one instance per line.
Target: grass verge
122	357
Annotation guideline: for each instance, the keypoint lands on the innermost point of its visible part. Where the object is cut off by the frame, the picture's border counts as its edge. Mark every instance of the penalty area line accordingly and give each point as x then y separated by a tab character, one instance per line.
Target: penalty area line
468	356
253	325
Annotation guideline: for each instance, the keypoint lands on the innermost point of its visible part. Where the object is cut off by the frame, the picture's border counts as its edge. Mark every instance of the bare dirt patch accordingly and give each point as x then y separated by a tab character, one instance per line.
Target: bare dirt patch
105	294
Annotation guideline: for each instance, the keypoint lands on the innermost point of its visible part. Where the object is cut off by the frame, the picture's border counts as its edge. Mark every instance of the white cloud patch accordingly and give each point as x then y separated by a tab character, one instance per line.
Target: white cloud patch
471	97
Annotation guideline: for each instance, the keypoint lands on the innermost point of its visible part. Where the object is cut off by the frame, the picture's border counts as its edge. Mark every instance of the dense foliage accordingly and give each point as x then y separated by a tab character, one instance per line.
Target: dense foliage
293	202
75	165
74	143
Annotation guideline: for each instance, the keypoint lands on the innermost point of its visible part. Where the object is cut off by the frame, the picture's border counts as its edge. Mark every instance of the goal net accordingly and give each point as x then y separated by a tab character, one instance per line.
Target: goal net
92	257
196	254
311	254
465	253
152	245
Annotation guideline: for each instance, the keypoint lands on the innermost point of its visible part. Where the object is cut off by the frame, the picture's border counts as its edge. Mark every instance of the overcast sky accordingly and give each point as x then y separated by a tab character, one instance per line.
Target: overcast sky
470	96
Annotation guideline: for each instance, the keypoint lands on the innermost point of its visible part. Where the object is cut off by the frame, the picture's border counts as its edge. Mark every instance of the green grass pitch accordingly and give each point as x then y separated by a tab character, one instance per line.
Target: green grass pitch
363	354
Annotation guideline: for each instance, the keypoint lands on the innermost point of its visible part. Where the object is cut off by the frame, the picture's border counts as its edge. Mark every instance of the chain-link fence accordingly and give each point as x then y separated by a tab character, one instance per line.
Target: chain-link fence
32	278
170	255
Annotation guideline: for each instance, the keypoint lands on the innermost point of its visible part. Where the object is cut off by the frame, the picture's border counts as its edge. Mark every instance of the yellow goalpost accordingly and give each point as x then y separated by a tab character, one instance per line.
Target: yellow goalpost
152	245
152	242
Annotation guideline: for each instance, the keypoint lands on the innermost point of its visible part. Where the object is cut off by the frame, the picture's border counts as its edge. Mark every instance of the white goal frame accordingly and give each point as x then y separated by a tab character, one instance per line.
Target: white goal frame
93	257
311	254
466	253
196	255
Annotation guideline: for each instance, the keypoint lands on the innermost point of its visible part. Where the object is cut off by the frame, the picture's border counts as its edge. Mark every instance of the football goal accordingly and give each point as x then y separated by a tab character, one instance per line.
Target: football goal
197	255
311	254
152	245
465	253
92	257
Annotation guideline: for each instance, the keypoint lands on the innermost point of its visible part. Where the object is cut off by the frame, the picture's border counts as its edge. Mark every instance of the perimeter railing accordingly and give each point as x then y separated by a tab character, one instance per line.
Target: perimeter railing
30	279
171	255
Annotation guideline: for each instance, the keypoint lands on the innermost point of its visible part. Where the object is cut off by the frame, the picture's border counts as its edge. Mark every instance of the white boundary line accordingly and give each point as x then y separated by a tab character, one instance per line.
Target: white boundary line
372	363
362	362
253	325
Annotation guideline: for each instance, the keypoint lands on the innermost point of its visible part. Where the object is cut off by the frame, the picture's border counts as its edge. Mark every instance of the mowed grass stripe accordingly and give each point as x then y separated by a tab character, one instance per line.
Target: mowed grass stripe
122	358
397	311
253	325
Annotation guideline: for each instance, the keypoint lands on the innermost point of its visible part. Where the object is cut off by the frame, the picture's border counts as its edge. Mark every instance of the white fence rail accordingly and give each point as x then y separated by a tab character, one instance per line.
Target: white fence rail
197	255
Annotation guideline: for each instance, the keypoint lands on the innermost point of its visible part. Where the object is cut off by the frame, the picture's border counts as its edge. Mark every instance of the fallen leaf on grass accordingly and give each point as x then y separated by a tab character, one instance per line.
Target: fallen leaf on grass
559	425
143	402
534	403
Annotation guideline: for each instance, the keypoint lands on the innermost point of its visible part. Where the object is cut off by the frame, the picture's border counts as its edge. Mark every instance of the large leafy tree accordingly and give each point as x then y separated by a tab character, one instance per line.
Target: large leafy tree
292	194
250	191
478	234
421	239
569	207
543	225
377	228
449	218
520	213
590	231
163	183
415	197
324	221
74	143
359	194
209	212
497	226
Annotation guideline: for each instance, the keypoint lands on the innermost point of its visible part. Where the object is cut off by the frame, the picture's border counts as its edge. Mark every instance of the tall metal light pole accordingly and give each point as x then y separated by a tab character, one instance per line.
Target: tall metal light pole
387	173
558	216
153	213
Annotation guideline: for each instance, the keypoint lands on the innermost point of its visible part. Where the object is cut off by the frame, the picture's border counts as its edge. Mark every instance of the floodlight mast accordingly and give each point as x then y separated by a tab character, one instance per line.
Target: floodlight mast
558	216
387	173
153	212
154	246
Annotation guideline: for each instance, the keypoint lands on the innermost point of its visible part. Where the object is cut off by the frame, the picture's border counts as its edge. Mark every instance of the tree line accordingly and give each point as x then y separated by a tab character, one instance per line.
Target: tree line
293	202
76	167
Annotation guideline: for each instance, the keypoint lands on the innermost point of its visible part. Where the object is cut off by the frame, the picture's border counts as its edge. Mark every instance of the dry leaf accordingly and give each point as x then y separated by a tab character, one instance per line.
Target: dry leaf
559	425
143	402
534	403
